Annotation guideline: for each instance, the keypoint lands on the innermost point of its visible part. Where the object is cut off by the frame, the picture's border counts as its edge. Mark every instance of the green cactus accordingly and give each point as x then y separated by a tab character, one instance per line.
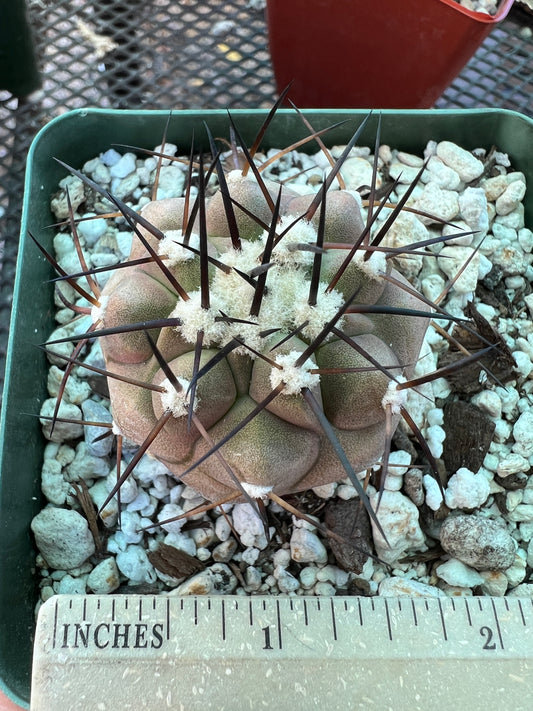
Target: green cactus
272	338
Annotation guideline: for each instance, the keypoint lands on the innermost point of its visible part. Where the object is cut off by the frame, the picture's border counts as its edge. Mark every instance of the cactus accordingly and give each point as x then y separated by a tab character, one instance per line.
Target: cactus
259	342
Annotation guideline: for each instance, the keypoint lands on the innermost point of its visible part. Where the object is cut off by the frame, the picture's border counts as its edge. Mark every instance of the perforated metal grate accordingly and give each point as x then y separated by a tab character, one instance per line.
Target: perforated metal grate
187	54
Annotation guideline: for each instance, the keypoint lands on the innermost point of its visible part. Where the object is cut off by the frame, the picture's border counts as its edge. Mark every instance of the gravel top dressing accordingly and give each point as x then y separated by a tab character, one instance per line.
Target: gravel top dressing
478	426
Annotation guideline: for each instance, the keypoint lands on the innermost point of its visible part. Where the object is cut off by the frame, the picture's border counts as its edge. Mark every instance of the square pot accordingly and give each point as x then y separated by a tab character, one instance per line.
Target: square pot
76	137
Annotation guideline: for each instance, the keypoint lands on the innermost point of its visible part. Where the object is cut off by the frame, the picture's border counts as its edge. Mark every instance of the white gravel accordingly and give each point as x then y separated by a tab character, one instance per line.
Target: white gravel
485	525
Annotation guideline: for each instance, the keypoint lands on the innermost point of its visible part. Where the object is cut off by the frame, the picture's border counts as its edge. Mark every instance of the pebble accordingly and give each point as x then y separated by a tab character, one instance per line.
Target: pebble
523	434
442	175
357	172
222	528
308	577
287	583
325	589
512	464
466	490
76	191
443	204
306	547
473	209
171	182
223	553
70	586
53	484
398	587
104	578
99	493
91	228
62	537
218	579
477	541
134	564
399	520
462	265
454	572
62	431
494	583
252	577
249	526
467	166
511	197
125	165
96	412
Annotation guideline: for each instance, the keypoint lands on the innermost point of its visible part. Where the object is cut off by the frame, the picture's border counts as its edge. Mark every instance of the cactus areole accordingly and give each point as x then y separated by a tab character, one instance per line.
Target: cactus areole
269	331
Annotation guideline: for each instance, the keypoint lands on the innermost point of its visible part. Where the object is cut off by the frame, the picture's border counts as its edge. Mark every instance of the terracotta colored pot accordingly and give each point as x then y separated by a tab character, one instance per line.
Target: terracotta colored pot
383	53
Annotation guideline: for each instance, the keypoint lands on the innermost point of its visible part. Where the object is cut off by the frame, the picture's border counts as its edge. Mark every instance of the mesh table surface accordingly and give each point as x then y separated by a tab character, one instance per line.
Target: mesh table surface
163	54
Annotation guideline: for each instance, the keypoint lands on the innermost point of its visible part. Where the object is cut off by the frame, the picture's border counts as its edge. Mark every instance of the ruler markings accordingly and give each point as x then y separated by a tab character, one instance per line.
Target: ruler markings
333	621
223	620
522	612
279	624
497	620
487	647
413	608
81	623
168	616
468	612
442	620
387	615
54	628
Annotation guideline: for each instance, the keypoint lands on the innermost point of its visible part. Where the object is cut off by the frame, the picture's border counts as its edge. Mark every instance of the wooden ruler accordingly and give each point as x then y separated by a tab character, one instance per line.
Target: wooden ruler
106	653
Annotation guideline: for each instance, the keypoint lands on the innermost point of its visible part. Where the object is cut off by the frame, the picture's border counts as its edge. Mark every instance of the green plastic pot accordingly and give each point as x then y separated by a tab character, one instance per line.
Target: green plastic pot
75	137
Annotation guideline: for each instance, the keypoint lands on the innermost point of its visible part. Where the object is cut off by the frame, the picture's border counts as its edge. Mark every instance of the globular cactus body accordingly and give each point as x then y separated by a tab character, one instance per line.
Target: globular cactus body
350	371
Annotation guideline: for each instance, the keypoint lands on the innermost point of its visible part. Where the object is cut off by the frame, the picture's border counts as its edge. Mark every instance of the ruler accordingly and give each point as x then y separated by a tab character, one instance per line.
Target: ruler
232	653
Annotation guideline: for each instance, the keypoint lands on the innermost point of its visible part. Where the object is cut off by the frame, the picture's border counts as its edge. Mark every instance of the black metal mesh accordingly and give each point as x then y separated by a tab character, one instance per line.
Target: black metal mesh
187	54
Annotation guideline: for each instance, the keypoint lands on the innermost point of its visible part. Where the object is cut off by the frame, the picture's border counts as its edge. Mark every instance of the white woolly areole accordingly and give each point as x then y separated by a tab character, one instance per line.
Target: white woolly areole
294	377
194	318
115	429
176	402
286	251
255	491
374	266
98	312
326	307
395	398
174	252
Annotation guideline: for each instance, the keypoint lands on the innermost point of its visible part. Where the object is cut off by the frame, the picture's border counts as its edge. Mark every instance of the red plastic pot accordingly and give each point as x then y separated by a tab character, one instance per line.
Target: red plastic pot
372	53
